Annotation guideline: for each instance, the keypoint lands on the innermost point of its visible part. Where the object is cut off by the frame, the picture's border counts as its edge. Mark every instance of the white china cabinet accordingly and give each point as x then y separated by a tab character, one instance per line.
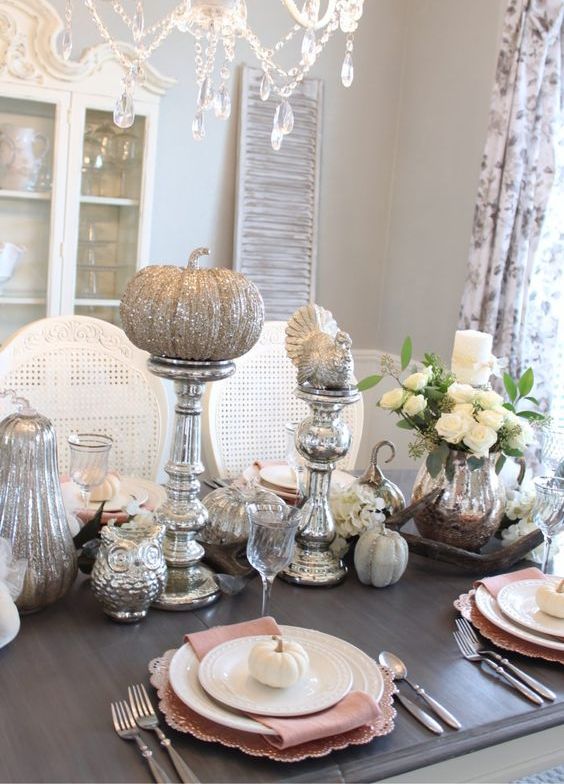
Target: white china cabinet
75	190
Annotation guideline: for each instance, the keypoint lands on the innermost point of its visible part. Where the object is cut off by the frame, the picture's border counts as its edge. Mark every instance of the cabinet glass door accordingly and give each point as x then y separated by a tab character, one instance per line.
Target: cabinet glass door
108	230
27	133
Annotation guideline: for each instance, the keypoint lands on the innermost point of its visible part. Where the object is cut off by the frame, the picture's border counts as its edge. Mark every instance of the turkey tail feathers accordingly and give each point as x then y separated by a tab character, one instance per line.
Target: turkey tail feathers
306	321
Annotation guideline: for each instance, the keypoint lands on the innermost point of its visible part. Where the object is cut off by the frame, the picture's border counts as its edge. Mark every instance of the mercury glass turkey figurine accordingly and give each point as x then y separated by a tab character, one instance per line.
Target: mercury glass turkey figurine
383	487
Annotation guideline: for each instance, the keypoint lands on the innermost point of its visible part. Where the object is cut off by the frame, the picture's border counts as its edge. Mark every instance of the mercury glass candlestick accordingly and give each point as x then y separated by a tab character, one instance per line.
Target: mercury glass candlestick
322	439
190	584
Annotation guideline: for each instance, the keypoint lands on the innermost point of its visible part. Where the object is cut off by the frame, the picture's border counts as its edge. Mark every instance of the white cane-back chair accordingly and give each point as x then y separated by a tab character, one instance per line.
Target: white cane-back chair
86	376
245	415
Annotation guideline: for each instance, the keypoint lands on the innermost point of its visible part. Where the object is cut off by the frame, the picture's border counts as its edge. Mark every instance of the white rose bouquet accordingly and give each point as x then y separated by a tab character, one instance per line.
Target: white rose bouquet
446	416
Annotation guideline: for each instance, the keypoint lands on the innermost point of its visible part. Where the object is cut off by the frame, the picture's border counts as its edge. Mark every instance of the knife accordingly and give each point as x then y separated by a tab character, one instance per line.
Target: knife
420	715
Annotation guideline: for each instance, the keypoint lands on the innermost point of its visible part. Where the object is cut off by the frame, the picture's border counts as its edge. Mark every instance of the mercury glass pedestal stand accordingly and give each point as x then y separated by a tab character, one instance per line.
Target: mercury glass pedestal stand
322	439
190	584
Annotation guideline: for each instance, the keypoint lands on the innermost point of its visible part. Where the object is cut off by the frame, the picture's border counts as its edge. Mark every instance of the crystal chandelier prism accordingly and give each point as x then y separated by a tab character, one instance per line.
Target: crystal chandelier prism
216	25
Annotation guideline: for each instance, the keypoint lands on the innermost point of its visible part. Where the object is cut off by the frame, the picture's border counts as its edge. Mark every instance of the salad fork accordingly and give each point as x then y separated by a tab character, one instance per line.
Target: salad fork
470	654
147	719
124	725
465	628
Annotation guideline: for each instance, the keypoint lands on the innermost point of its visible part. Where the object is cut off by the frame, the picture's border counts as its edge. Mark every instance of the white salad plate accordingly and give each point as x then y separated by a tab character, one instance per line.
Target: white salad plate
183	678
489	607
129	488
517	601
224	674
282	477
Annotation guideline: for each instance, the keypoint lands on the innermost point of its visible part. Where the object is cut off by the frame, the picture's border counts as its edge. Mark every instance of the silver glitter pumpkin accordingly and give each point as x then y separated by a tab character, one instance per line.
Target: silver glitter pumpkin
382	486
192	314
32	514
130	570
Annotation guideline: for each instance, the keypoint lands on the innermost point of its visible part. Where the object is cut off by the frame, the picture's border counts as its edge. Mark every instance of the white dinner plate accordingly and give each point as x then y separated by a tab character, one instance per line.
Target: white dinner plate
282	479
489	607
518	602
183	678
224	674
129	486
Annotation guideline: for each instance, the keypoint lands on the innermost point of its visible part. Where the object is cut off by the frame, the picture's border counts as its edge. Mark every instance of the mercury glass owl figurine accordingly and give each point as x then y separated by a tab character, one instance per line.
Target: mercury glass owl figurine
130	570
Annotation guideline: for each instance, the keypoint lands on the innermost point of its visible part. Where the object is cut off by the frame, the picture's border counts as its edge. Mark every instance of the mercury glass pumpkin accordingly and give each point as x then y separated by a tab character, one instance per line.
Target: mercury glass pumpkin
228	521
382	486
191	313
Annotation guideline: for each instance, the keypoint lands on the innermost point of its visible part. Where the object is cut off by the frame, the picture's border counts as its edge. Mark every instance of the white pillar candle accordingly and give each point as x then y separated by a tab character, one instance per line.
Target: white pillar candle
472	357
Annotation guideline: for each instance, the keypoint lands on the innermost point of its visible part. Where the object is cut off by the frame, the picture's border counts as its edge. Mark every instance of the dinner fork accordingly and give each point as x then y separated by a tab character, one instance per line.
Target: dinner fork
470	654
465	628
124	725
147	719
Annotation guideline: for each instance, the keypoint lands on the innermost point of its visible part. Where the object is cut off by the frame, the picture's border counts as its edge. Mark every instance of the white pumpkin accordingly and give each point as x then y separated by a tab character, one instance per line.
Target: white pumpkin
550	598
107	490
380	557
278	663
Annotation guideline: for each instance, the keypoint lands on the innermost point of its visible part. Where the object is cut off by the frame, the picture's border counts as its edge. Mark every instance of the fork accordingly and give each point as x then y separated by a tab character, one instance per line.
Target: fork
146	718
470	654
124	725
465	628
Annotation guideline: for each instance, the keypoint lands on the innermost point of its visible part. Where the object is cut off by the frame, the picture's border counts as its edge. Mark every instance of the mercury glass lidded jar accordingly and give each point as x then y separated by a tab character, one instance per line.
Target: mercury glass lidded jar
32	514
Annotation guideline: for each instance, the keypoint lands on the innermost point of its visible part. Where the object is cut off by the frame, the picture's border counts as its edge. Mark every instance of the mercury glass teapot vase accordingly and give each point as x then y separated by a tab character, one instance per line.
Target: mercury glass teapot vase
32	514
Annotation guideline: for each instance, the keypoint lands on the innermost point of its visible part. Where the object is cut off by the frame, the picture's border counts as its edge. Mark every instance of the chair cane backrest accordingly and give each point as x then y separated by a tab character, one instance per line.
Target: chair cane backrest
245	415
86	376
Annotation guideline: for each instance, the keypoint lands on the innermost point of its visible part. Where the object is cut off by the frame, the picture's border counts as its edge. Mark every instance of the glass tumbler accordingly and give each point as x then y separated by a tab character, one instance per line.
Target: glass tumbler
89	454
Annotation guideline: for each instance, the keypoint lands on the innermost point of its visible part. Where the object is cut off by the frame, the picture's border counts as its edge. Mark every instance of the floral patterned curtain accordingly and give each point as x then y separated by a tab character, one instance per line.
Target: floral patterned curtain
515	283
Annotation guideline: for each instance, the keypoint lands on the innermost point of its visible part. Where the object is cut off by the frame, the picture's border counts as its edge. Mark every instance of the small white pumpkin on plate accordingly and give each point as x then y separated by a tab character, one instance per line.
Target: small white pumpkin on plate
550	598
278	663
109	488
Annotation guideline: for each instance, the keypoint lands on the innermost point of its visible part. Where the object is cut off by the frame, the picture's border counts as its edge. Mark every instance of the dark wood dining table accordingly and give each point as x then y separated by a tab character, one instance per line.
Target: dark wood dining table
58	676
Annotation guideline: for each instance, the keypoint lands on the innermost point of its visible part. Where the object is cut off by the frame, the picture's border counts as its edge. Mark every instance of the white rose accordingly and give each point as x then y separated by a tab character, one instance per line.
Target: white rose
428	371
416	382
461	393
523	437
479	439
414	405
492	418
394	399
452	427
489	399
464	409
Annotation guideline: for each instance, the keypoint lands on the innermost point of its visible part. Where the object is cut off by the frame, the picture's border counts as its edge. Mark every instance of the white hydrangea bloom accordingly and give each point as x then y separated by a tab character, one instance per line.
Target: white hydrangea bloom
356	509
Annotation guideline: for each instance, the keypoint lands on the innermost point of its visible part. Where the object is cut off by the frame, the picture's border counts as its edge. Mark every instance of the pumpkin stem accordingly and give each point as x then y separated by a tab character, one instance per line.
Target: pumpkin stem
560	587
193	262
280	647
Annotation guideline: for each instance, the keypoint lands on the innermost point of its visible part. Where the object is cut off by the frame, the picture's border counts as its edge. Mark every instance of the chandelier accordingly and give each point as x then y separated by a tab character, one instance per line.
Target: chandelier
216	25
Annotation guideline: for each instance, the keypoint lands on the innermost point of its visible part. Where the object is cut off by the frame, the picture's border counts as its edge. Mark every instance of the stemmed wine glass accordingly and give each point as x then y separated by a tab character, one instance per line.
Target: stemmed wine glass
272	530
89	454
552	448
548	511
295	460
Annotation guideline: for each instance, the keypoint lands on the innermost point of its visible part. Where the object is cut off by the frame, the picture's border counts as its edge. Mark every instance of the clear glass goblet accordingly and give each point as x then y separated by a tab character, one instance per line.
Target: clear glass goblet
552	449
272	530
89	454
548	511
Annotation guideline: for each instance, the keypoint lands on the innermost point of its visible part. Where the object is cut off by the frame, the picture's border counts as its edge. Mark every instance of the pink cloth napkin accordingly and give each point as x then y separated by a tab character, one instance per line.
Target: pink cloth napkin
355	709
495	584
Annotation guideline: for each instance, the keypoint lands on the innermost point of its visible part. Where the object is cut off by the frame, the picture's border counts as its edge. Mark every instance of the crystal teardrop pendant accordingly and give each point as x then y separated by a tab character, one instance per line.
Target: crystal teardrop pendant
124	111
309	47
198	127
64	44
138	21
205	94
222	103
265	87
276	138
286	117
347	71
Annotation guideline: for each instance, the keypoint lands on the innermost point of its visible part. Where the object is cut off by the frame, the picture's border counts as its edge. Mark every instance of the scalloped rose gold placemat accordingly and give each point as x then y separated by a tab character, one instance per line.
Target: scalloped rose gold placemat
181	718
466	605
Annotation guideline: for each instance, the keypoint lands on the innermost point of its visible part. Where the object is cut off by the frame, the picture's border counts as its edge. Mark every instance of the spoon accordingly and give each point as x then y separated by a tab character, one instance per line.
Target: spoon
395	664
